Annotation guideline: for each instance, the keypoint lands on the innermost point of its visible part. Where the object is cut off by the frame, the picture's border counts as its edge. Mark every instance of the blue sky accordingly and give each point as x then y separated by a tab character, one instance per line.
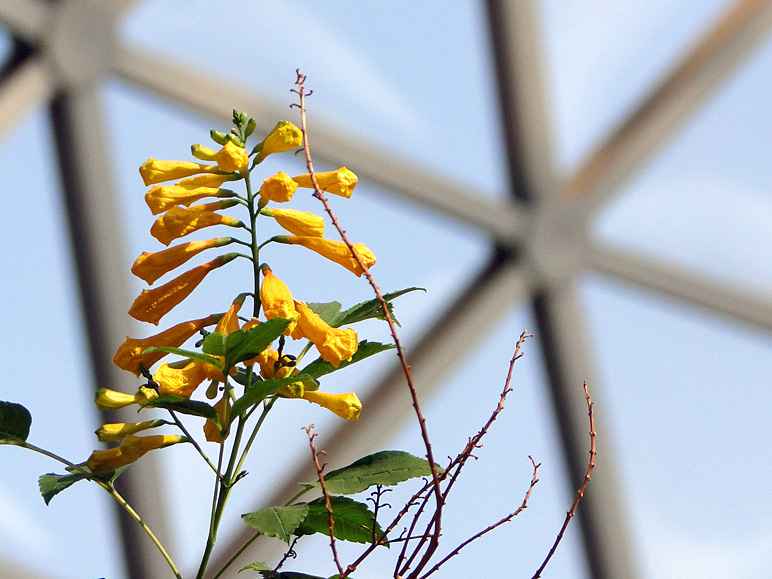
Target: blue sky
685	394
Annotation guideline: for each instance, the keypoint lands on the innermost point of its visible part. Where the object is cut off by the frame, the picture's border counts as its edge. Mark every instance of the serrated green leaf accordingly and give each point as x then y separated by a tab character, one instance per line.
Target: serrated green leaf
365	349
184	406
371	309
327	311
15	422
279	522
258	391
353	521
259	566
387	468
52	484
187	354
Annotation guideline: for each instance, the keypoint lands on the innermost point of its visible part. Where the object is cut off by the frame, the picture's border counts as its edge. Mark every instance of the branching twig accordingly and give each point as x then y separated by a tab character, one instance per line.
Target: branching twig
319	194
330	518
488	529
474	442
580	492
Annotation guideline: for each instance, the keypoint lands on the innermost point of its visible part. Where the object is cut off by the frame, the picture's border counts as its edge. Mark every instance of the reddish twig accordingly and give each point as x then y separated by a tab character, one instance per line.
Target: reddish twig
509	517
580	492
330	518
319	194
475	441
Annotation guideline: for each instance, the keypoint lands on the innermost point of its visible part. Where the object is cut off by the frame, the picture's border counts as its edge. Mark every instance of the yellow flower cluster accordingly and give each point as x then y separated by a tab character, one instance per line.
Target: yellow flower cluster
179	214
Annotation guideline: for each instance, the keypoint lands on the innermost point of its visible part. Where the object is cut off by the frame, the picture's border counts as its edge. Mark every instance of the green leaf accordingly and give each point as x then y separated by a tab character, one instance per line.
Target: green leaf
262	389
259	566
365	349
244	344
371	309
188	354
327	311
184	406
388	468
279	522
353	521
15	421
52	484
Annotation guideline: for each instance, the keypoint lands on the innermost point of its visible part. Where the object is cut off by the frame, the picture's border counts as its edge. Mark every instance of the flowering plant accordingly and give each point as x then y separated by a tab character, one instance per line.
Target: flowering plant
245	362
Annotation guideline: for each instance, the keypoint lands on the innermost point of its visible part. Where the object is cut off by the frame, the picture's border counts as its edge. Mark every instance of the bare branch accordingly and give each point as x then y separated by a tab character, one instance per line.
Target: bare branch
319	194
580	492
509	517
330	518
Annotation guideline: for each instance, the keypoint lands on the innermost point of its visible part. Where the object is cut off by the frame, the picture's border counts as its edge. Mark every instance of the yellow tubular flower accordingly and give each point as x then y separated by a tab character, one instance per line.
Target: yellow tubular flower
283	137
154	171
336	251
107	399
280	188
179	222
334	344
198	181
129	355
276	299
151	266
232	158
131	449
119	431
346	405
296	222
227	324
211	431
163	197
180	378
340	182
152	305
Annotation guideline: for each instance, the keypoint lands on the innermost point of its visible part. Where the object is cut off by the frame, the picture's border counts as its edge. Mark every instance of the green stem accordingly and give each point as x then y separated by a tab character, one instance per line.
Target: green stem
184	430
134	515
222	492
260	421
113	493
253	213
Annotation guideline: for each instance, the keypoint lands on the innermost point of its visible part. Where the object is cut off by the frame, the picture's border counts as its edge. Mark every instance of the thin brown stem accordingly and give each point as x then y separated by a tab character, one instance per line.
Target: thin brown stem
319	194
580	492
330	518
509	517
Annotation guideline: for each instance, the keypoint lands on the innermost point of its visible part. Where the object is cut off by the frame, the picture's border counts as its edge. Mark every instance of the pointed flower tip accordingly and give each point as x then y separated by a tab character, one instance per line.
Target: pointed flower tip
336	251
155	171
283	137
152	305
340	182
346	405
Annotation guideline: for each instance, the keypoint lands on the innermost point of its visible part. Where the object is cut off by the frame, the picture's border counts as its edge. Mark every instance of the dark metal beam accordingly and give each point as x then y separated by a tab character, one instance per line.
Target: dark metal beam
100	263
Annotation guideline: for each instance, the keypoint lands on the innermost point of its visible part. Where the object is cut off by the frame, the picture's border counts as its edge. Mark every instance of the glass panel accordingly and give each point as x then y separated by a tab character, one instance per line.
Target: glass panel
688	400
419	86
604	57
50	375
705	201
